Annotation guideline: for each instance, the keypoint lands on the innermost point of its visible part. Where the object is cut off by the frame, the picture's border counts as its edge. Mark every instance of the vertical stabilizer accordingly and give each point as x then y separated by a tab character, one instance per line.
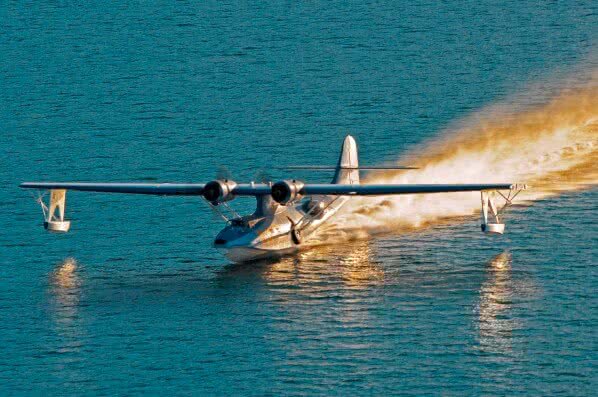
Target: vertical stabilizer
347	171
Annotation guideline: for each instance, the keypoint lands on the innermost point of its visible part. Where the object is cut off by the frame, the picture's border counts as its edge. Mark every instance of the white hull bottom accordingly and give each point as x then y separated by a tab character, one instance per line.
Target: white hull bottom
248	254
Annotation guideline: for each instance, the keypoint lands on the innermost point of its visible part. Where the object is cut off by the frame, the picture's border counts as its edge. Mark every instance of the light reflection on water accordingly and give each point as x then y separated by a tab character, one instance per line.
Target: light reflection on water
65	287
351	265
326	310
500	296
329	309
315	269
64	305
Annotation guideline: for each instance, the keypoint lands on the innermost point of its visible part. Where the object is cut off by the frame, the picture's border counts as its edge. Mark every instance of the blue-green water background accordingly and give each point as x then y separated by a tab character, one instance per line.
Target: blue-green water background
168	91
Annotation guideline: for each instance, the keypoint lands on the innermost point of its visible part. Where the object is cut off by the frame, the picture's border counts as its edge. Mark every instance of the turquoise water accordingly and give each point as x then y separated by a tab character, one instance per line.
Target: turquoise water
134	300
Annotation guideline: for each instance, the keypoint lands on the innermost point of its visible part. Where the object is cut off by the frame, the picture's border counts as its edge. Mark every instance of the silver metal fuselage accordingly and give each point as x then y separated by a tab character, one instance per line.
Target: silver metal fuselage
275	230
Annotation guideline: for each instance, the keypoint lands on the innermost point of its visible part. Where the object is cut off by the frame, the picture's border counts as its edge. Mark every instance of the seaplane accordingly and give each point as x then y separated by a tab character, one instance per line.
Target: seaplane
288	212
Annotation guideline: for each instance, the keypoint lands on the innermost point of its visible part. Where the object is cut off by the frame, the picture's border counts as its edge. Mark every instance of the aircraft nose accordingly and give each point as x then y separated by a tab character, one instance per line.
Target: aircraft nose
233	237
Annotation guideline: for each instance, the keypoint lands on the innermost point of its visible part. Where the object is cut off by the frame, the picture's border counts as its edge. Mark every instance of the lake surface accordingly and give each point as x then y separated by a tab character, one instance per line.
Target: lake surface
134	300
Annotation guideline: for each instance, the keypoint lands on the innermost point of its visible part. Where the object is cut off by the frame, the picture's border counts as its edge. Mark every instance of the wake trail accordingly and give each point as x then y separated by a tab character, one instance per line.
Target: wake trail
553	147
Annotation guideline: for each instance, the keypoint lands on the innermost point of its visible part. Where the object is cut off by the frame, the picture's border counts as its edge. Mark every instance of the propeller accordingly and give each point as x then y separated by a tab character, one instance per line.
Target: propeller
263	176
223	173
295	233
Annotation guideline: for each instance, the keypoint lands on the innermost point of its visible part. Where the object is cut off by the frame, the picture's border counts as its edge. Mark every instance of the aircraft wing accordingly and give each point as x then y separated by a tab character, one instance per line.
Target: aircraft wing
158	189
388	189
161	189
253	189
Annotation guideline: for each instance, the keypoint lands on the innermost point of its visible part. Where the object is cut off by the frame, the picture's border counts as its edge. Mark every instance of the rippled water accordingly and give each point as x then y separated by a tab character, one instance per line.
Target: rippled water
135	300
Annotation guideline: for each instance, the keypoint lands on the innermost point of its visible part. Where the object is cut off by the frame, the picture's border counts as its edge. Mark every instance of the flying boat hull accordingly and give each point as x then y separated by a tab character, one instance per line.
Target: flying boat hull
251	254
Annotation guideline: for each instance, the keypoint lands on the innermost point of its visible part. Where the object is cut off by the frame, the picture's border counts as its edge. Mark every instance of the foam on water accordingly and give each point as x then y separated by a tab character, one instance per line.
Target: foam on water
552	147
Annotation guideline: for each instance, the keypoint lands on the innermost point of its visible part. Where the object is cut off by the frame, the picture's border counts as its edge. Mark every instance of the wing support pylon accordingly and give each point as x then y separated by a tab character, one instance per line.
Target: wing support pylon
491	213
54	220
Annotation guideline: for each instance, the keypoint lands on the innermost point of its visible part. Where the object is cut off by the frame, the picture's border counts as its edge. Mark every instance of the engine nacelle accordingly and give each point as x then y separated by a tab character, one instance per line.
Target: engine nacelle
219	191
286	192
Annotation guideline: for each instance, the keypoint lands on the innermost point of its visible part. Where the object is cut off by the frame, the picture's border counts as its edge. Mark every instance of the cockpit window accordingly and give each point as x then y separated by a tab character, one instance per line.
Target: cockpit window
313	208
238	222
306	205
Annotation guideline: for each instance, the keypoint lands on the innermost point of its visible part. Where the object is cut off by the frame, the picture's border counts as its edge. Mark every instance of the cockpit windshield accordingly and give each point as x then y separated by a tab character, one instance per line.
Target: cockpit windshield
239	222
313	208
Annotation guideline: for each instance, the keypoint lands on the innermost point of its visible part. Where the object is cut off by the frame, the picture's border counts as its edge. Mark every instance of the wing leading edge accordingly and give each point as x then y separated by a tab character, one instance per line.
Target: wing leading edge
161	189
388	189
254	189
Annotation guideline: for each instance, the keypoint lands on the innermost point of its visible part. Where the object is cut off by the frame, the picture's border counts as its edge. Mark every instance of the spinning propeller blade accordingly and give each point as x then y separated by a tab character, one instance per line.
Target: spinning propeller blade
223	173
262	176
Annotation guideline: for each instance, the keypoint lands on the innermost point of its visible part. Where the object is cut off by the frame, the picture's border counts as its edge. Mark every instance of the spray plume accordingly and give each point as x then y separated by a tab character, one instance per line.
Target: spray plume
552	147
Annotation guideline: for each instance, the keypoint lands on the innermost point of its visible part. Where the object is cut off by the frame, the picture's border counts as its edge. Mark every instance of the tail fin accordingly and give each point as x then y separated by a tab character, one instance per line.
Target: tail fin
347	171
